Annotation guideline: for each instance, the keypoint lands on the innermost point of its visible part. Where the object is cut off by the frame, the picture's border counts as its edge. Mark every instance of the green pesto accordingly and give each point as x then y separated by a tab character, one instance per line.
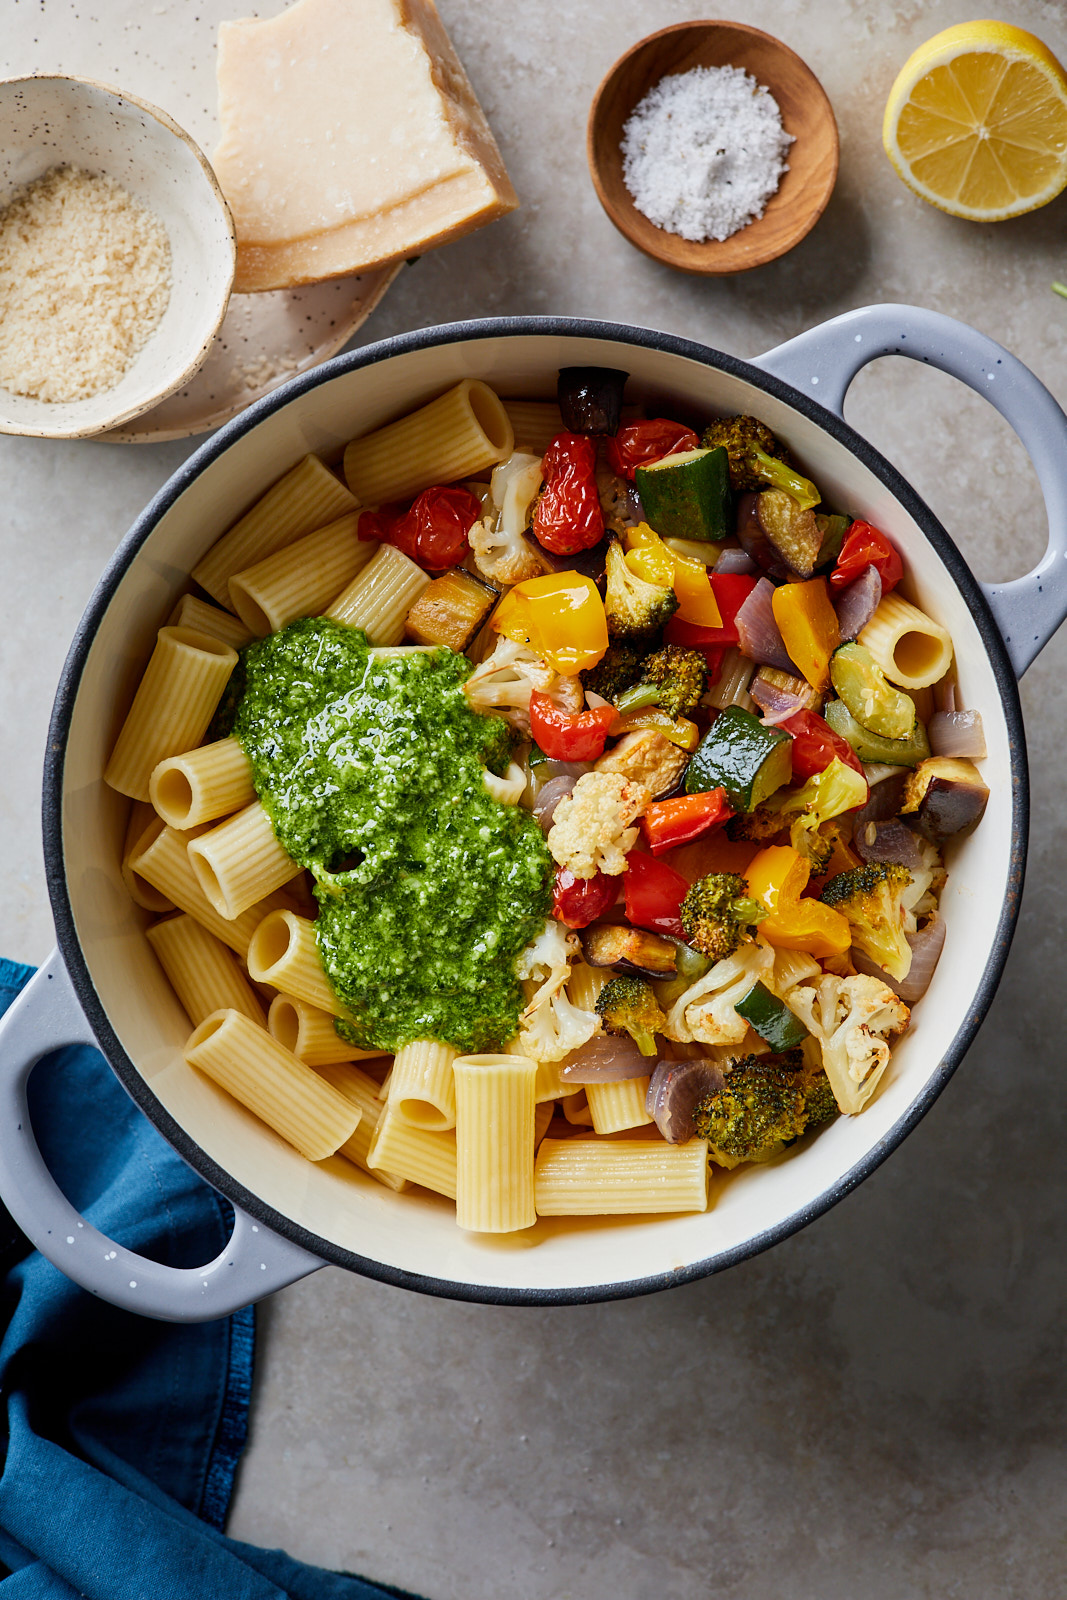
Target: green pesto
371	769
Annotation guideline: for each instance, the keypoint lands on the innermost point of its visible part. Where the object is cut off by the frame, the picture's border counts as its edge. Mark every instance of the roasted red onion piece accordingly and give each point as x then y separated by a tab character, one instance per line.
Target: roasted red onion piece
888	841
673	1092
856	605
926	946
609	1058
776	704
555	790
758	635
883	801
731	560
957	733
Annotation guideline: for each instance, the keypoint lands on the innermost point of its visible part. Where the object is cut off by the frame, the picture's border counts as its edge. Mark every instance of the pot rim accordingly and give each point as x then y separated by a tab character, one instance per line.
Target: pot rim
165	498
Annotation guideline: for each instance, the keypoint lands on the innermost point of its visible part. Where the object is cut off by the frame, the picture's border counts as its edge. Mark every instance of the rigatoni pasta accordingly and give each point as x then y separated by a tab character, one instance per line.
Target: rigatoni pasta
369	1097
494	1142
202	785
460	433
380	596
910	648
583	1177
202	971
310	1033
142	819
424	1156
422	1089
284	953
240	861
174	703
302	578
162	859
615	1107
192	612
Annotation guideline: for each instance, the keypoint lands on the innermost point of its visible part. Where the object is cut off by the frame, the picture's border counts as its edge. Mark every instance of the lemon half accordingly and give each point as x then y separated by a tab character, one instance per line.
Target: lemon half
976	122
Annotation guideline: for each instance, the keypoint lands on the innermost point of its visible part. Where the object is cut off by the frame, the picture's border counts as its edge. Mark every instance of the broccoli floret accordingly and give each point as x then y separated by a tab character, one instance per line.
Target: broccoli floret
673	679
717	913
870	897
757	458
617	670
628	1005
637	611
765	1103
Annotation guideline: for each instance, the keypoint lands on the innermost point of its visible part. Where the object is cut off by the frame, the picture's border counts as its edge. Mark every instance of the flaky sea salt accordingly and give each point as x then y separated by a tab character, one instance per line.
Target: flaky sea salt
704	151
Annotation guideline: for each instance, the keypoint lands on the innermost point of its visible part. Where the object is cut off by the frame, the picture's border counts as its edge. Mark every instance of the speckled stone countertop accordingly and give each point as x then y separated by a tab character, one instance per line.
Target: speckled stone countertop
876	1409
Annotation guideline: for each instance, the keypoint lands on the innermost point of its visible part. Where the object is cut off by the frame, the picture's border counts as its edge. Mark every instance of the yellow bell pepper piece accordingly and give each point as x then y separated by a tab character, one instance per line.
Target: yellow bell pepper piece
808	625
649	558
777	878
679	730
560	616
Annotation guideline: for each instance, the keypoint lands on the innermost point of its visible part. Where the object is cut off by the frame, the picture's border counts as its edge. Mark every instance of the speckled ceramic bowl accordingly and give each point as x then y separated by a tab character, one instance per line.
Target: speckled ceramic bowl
47	122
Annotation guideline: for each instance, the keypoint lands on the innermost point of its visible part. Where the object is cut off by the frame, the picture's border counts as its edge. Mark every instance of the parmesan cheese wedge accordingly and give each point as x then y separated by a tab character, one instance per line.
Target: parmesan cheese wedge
351	138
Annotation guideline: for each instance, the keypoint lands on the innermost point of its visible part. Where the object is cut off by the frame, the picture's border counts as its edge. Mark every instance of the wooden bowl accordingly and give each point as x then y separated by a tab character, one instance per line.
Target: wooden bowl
801	197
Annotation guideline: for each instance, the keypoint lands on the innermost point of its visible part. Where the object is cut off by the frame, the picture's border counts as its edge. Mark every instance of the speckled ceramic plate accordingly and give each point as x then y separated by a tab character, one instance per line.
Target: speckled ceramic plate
166	53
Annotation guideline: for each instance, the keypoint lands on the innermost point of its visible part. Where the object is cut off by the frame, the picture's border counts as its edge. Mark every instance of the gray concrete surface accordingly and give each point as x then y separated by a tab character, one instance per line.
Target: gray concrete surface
876	1409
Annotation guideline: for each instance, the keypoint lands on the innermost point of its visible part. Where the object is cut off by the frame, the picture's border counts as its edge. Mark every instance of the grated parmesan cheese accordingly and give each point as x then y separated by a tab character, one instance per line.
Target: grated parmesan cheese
84	282
704	151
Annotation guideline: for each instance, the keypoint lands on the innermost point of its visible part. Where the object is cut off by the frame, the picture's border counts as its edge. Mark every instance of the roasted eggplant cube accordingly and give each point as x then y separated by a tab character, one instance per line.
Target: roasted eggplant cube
780	537
590	398
450	610
611	944
946	796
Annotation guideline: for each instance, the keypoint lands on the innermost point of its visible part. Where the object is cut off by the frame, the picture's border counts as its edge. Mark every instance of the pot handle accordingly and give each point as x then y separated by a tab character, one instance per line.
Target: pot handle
822	364
46	1016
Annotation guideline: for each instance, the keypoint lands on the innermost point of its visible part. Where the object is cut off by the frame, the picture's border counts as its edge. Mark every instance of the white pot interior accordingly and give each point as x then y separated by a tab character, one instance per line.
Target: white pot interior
334	1200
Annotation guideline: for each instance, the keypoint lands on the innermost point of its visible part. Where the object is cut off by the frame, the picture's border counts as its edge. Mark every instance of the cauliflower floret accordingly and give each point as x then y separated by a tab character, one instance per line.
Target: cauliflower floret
555	1027
705	1012
851	1018
545	964
591	832
505	680
503	557
501	552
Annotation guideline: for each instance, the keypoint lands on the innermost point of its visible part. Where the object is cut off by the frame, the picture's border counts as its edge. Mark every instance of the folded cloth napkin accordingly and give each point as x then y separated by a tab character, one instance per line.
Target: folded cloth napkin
123	1435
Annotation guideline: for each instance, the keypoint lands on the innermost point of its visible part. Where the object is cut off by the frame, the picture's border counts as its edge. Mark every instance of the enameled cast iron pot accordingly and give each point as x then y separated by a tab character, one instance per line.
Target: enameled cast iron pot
103	983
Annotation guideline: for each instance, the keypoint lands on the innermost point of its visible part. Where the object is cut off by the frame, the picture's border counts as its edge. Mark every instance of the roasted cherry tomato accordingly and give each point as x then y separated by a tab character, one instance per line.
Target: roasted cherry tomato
654	894
564	736
638	443
567	516
576	902
815	744
433	531
864	547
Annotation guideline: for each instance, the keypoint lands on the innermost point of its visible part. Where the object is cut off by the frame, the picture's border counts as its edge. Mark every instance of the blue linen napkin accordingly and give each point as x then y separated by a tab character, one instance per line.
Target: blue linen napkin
122	1434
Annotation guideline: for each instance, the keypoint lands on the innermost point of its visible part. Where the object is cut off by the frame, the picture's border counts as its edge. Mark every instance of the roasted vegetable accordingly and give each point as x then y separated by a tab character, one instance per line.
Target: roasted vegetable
852	1018
648	757
870	697
636	611
756	457
718	913
590	398
771	1018
869	897
743	757
613	944
450	610
673	679
809	628
871	746
618	669
947	796
688	495
628	1005
765	1103
809	809
779	535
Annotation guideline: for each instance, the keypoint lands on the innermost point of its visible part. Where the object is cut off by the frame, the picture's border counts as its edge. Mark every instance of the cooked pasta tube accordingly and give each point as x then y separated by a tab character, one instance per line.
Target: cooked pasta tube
284	952
585	984
141	892
593	1177
616	1106
576	1109
461	432
176	699
731	689
308	497
241	860
494	1142
911	650
379	598
367	1095
548	1085
421	1089
508	789
310	1034
289	1097
162	857
535	423
202	972
300	579
202	785
423	1155
192	612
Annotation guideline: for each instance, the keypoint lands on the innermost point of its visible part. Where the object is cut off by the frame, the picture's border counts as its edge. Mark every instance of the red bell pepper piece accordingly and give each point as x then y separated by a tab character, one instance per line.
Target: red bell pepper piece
815	744
566	737
865	546
433	531
731	590
667	823
576	902
654	894
567	516
637	444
